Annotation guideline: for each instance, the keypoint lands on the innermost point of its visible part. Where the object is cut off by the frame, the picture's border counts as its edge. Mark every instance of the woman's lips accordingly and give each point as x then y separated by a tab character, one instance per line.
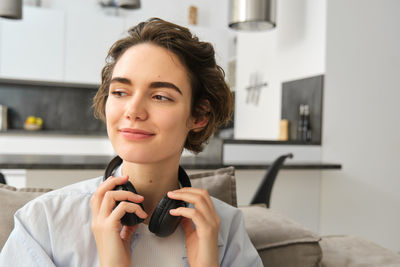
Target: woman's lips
135	134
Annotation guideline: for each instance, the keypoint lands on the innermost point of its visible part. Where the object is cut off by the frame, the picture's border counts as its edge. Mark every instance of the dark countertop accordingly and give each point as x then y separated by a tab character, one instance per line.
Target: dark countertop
268	142
82	162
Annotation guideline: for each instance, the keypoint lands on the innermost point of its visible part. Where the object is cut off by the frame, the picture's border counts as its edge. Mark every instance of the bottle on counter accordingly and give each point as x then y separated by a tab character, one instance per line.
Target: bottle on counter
283	130
300	123
307	124
3	118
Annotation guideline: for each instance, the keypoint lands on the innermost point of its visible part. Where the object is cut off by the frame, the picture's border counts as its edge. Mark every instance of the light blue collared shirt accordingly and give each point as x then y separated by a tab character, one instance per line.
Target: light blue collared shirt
55	230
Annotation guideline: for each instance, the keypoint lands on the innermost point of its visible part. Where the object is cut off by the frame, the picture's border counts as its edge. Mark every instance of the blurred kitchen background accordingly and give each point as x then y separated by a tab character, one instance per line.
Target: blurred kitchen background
322	83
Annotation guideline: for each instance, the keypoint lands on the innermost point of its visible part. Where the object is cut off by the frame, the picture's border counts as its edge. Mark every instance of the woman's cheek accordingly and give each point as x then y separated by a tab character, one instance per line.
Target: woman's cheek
111	111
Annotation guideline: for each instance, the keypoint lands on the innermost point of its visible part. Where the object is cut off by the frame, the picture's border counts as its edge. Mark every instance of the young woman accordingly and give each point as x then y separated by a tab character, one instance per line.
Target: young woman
161	92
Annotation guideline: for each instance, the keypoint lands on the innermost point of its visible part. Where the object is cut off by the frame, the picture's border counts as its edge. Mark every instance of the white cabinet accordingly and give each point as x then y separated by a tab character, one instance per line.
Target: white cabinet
33	48
88	39
15	177
71	46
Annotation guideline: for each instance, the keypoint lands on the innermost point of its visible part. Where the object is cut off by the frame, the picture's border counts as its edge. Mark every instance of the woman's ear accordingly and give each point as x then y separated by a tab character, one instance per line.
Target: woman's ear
201	121
199	124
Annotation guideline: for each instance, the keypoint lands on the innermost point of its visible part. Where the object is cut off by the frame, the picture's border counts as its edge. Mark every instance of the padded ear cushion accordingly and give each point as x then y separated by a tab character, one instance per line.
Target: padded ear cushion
129	219
162	223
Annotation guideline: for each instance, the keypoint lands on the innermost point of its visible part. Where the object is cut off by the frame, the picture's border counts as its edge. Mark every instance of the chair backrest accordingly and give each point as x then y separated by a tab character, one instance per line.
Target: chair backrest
2	179
263	193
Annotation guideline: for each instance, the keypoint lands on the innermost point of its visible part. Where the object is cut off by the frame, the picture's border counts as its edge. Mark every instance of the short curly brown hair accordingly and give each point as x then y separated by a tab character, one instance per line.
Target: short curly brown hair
211	95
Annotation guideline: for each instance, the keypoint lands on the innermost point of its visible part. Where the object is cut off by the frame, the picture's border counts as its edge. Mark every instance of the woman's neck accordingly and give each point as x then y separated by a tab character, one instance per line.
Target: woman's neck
152	181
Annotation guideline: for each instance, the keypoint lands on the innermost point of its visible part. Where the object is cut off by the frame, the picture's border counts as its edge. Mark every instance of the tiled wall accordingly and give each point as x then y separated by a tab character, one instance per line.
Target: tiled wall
306	91
63	109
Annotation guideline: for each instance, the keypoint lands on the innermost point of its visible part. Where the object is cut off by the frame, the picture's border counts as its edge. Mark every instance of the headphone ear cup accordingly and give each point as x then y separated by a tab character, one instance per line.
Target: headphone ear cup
129	219
162	223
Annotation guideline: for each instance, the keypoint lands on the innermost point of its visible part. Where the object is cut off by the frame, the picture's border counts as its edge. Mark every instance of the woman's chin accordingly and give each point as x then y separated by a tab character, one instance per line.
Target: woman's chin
142	159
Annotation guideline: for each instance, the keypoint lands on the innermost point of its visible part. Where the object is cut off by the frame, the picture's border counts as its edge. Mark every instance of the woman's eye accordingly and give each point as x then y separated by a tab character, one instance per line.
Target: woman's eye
118	93
162	98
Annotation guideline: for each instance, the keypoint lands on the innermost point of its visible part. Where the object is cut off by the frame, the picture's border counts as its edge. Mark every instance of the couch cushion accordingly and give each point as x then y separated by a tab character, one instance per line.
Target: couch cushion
219	183
279	241
351	251
11	200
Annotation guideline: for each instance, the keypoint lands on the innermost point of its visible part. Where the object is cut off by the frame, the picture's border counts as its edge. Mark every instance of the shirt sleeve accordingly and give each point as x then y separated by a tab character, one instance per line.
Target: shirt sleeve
238	251
21	248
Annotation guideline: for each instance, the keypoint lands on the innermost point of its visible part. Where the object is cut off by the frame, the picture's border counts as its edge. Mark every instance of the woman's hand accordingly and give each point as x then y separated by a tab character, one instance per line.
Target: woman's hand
202	241
113	243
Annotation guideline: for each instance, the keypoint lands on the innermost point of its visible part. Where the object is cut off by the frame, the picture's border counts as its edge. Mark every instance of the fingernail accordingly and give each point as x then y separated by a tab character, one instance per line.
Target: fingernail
171	193
172	211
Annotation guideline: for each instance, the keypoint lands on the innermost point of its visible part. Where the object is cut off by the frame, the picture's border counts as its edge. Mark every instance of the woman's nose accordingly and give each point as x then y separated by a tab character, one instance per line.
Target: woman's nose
136	108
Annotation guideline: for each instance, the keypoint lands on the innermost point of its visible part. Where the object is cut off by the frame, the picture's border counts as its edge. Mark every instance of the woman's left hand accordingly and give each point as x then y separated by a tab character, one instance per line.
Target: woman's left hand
202	241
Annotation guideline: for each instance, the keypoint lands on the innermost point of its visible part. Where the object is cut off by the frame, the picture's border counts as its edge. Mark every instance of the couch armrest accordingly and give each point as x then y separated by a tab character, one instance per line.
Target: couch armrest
352	251
279	241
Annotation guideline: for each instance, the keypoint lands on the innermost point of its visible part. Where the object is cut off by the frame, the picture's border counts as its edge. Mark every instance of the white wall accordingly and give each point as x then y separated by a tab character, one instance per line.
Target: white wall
294	49
361	126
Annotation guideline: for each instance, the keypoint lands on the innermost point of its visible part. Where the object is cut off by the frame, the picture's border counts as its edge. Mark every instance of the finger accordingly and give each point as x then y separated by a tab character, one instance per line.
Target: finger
124	207
197	217
196	191
107	185
112	197
199	198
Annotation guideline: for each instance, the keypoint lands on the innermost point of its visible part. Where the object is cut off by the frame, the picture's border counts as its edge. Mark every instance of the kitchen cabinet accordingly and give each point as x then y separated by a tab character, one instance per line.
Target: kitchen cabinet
33	48
71	46
88	39
15	177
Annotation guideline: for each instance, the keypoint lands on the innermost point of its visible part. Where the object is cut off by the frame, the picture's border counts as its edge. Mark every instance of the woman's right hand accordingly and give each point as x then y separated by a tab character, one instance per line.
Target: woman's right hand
113	243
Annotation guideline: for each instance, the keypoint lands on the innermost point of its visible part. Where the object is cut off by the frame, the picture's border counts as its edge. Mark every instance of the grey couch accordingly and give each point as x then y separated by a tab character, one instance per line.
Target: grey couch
279	241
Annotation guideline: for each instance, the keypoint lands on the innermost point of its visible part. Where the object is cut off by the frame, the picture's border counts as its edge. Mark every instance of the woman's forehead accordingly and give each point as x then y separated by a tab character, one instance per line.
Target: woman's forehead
146	57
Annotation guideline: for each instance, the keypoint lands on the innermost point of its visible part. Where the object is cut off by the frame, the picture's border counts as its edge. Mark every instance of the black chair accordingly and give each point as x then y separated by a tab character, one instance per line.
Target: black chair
2	179
263	193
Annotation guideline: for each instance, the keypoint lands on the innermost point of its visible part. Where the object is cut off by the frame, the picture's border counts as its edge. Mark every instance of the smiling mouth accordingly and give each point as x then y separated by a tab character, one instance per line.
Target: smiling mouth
135	134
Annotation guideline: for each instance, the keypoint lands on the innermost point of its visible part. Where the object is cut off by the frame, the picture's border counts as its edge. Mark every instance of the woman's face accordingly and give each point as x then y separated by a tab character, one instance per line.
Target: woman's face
148	106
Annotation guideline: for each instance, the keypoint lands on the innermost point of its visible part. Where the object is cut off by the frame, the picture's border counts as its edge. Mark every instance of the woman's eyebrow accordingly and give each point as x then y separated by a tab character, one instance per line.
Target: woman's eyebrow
165	85
121	80
152	85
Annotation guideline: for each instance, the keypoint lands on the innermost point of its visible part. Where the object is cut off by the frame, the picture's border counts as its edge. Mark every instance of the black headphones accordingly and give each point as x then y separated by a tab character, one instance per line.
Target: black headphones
161	222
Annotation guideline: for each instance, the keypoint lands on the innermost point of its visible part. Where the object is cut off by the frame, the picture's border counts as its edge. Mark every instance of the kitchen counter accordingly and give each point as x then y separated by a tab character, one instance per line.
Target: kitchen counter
76	162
